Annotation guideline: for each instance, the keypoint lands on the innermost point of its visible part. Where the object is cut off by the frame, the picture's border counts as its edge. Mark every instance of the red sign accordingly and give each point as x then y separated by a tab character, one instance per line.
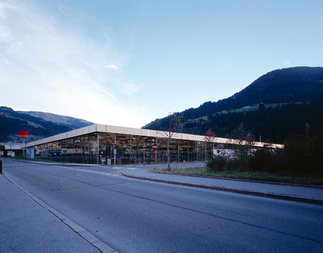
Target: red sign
23	134
155	146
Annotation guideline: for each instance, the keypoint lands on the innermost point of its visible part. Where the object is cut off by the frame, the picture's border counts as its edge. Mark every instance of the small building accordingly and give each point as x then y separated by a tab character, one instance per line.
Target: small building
11	149
105	144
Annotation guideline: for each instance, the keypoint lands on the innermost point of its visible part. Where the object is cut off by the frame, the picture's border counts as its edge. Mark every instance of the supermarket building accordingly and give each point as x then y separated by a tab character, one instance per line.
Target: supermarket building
105	144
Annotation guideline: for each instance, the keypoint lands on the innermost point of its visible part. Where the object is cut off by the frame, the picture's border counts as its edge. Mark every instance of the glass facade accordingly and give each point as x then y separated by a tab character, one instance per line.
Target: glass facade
121	149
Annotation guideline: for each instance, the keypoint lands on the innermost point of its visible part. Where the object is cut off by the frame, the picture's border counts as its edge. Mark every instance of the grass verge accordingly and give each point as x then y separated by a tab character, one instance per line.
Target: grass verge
245	175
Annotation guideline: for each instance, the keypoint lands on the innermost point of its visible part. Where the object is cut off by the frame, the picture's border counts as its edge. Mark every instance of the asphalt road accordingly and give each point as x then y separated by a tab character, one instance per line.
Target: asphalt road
140	216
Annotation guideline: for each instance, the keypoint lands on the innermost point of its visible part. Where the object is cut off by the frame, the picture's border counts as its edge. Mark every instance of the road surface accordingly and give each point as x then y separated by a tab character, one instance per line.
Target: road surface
131	215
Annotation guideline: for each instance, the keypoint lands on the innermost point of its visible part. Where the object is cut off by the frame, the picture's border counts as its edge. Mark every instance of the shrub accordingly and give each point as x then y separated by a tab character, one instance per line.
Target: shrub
267	160
237	164
217	163
301	156
257	160
304	156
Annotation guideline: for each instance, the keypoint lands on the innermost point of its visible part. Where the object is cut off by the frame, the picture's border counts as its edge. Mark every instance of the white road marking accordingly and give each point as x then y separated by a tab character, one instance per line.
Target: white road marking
90	171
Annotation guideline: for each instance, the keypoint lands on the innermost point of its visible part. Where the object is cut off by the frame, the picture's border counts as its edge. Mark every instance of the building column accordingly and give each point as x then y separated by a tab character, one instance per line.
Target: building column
188	151
197	151
98	148
205	151
115	150
178	160
143	151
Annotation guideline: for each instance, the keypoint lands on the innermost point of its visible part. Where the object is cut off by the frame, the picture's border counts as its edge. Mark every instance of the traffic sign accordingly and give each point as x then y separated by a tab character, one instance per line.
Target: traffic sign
155	146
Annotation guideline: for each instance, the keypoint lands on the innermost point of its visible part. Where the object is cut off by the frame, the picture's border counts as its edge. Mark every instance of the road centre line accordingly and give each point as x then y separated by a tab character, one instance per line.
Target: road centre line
89	171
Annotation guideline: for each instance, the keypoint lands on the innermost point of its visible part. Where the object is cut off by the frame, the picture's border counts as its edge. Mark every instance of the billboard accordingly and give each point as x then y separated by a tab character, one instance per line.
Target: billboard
23	134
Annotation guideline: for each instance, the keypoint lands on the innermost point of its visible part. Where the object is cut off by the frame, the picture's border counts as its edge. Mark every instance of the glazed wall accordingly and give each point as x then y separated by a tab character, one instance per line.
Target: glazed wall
115	149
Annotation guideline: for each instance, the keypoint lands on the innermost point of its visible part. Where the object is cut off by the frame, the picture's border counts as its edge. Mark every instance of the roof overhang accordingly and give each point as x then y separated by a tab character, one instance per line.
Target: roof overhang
97	128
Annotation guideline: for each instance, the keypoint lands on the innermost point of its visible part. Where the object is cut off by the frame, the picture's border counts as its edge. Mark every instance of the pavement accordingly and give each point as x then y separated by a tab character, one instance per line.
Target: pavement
27	224
307	194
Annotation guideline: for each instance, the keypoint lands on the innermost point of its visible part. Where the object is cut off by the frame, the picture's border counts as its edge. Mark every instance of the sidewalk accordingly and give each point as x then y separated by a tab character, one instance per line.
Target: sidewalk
32	226
278	191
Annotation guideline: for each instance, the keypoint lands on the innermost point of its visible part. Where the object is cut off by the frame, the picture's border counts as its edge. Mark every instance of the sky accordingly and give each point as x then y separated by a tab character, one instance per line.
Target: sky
128	62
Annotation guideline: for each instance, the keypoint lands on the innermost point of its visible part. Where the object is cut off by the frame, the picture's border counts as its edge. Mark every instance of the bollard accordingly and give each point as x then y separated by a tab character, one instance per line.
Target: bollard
0	166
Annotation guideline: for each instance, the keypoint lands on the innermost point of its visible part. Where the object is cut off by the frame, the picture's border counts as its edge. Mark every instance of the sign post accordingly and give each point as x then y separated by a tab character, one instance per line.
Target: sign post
24	135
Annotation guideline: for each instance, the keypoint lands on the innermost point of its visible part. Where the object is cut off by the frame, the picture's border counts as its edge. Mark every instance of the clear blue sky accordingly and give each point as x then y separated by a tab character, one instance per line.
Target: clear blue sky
129	62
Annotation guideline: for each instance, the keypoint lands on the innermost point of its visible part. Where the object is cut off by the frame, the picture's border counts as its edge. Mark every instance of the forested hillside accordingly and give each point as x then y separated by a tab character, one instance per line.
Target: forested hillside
279	86
59	119
275	124
275	106
11	122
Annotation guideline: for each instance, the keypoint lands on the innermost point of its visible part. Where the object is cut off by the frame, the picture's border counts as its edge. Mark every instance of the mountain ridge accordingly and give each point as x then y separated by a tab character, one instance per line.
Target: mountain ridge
297	75
301	86
59	119
281	87
11	122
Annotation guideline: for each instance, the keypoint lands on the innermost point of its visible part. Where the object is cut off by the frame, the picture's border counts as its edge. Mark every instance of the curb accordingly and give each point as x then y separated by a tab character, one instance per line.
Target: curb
94	241
259	194
242	180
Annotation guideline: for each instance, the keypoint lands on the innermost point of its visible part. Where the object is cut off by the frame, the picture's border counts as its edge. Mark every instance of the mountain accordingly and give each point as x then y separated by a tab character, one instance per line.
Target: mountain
276	105
279	86
59	119
276	88
44	125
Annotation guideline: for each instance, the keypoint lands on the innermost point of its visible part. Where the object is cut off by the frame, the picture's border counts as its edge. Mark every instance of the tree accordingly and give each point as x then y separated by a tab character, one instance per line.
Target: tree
242	140
209	137
175	126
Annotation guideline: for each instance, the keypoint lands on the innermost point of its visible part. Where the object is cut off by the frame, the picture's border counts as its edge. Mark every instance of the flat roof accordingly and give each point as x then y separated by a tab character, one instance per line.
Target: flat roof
13	146
97	128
